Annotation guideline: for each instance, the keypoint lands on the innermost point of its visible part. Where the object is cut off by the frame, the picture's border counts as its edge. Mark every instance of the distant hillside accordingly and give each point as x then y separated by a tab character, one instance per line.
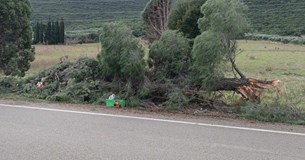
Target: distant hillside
82	14
285	17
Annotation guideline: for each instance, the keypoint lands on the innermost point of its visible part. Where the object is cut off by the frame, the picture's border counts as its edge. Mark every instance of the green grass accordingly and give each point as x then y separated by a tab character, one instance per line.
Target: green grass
261	60
272	60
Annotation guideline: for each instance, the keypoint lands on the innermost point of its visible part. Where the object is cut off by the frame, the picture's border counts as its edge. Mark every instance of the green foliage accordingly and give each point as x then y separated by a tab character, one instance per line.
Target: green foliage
9	84
16	52
75	83
85	69
122	56
50	33
276	38
225	17
133	101
223	22
177	100
170	56
184	17
208	59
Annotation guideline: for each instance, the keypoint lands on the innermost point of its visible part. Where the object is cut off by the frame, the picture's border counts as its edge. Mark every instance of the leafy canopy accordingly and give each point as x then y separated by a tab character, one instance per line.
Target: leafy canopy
184	17
226	17
16	52
170	55
121	56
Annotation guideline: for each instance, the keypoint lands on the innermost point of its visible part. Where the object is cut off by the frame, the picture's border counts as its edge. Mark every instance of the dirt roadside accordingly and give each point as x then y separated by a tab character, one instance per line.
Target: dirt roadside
210	118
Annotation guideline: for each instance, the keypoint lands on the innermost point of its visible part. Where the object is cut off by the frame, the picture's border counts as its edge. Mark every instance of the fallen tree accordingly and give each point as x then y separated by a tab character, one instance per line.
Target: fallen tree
215	49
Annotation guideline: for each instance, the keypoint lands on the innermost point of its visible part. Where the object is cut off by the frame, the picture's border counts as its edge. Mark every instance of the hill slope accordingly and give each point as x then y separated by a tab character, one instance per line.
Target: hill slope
81	14
285	17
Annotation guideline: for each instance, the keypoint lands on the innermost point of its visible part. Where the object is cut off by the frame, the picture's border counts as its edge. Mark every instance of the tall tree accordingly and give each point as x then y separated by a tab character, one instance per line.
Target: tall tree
53	33
57	32
41	32
156	16
48	32
62	31
36	33
184	17
16	52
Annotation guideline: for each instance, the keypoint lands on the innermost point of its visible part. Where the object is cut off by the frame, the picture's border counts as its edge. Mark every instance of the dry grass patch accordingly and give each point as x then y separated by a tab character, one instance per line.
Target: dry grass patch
49	55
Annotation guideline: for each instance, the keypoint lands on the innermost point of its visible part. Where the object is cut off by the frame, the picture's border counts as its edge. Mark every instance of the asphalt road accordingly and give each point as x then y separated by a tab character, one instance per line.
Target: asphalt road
27	134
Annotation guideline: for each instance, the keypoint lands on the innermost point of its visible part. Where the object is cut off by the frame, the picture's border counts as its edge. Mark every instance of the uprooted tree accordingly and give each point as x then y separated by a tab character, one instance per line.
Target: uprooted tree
224	21
156	17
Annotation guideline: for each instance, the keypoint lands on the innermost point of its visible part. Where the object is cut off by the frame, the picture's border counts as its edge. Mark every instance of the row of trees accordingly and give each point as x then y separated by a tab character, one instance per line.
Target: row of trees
50	33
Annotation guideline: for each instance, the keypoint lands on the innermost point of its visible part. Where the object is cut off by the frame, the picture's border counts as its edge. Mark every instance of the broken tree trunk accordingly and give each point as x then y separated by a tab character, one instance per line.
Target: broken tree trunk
156	17
247	88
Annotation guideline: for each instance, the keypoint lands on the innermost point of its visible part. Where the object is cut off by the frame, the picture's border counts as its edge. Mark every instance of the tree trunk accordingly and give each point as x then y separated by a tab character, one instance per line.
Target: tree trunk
156	16
247	88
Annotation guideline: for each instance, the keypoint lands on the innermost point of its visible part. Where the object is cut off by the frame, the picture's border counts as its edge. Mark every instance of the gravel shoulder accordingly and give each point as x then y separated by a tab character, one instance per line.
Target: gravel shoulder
210	118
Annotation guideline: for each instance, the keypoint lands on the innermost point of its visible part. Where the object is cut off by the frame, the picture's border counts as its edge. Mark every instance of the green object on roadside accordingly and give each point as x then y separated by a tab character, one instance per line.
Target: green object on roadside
110	103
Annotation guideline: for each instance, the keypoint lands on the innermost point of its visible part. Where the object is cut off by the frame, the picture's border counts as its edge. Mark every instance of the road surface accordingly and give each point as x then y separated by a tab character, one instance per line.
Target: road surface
42	134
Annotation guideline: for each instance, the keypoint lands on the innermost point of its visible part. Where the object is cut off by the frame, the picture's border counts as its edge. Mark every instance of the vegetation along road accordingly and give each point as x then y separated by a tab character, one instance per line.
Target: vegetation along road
51	134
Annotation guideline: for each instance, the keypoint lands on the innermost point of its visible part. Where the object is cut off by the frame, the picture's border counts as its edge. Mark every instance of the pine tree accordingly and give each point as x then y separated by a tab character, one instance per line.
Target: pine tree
53	36
48	32
36	33
57	32
41	32
62	31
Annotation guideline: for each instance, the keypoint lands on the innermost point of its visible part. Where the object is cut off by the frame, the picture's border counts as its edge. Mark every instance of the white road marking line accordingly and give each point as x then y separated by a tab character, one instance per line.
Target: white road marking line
154	119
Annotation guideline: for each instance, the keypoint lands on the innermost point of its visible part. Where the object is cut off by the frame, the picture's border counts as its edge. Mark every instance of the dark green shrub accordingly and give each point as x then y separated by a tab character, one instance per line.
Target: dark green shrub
170	56
177	100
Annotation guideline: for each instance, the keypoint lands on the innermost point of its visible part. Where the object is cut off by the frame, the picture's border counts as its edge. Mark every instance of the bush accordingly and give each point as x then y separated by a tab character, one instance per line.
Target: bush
170	56
276	38
85	69
177	100
274	112
9	84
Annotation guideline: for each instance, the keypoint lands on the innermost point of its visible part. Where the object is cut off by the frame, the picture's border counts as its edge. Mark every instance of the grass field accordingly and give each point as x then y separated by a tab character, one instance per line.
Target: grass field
48	55
270	60
276	61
